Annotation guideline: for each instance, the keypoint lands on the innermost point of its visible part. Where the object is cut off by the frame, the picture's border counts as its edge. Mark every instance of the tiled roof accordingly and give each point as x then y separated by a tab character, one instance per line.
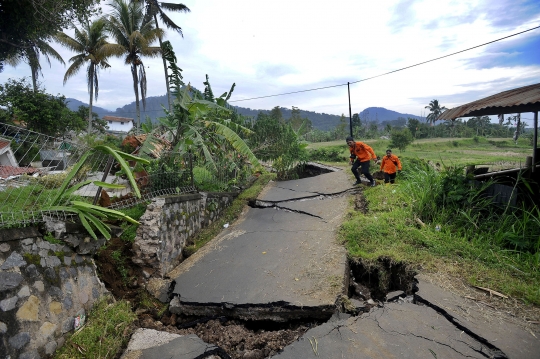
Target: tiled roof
4	143
117	119
6	171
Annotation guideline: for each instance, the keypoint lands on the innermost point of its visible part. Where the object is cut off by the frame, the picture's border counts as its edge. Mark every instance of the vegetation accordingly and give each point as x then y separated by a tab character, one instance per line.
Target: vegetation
134	33
155	8
401	139
106	334
438	221
30	55
88	44
26	23
38	110
92	216
435	109
277	141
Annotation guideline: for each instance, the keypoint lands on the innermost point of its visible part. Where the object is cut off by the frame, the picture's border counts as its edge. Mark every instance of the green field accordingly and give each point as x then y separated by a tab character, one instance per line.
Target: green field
495	153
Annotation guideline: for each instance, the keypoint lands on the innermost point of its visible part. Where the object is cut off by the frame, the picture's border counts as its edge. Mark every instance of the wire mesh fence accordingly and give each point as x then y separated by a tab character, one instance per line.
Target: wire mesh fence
33	166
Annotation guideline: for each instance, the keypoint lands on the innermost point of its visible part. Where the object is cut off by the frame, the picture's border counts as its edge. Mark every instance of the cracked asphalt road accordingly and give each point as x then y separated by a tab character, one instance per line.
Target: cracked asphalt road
273	264
282	263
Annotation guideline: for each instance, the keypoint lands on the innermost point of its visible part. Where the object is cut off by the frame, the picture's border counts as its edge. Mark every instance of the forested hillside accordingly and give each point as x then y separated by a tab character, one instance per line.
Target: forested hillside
321	121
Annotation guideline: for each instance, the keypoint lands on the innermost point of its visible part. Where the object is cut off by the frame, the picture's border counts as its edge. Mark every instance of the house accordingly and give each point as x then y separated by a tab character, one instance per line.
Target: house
118	124
7	158
8	163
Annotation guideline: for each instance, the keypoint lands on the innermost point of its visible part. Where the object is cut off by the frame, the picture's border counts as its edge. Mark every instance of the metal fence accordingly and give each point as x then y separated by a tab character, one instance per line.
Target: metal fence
33	166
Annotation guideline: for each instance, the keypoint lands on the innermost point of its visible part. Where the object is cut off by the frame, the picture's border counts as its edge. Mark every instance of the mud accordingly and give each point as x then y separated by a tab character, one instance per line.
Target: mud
120	275
238	339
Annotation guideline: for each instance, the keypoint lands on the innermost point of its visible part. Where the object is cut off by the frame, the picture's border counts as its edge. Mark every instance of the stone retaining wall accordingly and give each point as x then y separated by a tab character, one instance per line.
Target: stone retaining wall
46	290
168	223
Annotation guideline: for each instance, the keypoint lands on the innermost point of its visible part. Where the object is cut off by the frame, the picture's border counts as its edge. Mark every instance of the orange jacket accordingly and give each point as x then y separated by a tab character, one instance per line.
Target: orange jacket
388	165
362	151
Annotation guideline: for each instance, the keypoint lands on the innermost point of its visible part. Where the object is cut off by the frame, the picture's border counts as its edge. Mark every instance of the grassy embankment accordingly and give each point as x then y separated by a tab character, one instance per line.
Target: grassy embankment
473	243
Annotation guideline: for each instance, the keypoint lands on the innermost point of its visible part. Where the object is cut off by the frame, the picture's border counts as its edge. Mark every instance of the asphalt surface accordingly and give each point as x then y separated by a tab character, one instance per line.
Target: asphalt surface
282	262
276	263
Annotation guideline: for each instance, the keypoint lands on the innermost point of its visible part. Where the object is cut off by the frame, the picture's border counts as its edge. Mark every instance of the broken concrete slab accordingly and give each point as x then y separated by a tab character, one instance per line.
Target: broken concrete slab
497	328
271	265
395	295
325	184
398	330
150	344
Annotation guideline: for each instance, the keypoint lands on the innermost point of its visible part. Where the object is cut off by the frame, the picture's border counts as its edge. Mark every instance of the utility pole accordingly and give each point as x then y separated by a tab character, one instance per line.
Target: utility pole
350	113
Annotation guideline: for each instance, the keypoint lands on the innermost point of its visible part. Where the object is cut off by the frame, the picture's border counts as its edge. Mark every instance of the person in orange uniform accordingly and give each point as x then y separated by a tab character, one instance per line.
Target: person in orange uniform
361	155
388	165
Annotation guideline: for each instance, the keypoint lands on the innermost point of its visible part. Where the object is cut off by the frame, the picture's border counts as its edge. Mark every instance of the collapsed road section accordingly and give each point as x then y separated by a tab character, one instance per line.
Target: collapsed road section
272	265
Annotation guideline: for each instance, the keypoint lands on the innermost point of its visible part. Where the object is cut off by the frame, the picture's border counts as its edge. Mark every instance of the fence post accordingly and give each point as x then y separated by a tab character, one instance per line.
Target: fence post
107	169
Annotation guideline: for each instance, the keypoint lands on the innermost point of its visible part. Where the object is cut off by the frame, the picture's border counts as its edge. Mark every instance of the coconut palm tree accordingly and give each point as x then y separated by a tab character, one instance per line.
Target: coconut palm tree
155	8
435	110
88	44
30	55
134	34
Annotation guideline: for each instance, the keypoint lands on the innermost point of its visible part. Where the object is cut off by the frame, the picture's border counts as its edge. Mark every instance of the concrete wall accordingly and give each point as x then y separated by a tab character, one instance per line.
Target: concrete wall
46	290
168	223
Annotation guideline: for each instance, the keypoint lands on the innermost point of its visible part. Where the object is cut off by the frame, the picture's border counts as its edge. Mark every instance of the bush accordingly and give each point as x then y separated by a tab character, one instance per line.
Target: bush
328	154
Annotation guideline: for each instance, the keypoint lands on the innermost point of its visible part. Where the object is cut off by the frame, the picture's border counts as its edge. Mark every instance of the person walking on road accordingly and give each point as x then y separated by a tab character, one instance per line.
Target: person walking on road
361	155
388	165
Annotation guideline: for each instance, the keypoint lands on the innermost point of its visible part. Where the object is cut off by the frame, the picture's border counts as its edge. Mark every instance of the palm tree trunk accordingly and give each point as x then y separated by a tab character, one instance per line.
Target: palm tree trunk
90	102
34	80
164	67
136	89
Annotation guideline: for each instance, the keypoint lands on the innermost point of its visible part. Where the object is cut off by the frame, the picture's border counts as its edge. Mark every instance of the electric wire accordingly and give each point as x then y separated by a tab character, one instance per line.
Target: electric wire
366	79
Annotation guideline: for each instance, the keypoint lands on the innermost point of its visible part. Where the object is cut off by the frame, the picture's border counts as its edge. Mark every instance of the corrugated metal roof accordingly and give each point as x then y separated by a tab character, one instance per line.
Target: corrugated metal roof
523	99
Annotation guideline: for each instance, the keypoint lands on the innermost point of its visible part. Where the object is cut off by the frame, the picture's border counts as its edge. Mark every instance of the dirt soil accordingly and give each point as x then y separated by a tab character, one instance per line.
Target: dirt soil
117	271
238	339
360	203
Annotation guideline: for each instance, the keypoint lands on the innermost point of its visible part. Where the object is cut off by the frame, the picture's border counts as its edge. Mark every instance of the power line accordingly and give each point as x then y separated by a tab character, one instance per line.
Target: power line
390	72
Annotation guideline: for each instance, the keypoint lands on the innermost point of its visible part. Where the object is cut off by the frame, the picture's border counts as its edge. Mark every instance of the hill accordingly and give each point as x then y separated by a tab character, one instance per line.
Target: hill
321	121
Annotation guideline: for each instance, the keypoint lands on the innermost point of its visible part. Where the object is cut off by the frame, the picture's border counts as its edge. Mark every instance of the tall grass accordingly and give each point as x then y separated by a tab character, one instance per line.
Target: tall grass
448	197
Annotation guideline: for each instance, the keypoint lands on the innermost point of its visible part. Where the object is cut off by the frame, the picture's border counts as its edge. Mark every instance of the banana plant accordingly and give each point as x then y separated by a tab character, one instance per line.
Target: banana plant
198	121
92	217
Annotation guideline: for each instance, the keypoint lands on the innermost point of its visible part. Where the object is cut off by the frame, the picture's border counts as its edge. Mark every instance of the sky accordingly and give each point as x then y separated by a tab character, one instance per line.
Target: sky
280	46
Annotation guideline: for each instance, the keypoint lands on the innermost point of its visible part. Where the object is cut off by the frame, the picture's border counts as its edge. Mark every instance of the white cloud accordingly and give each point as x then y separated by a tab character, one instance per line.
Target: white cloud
269	48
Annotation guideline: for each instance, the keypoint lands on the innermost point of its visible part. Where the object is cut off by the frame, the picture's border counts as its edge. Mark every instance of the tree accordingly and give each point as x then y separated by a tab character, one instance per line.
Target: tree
277	114
300	125
88	44
197	125
134	34
154	8
401	139
23	22
37	110
99	125
435	110
30	55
